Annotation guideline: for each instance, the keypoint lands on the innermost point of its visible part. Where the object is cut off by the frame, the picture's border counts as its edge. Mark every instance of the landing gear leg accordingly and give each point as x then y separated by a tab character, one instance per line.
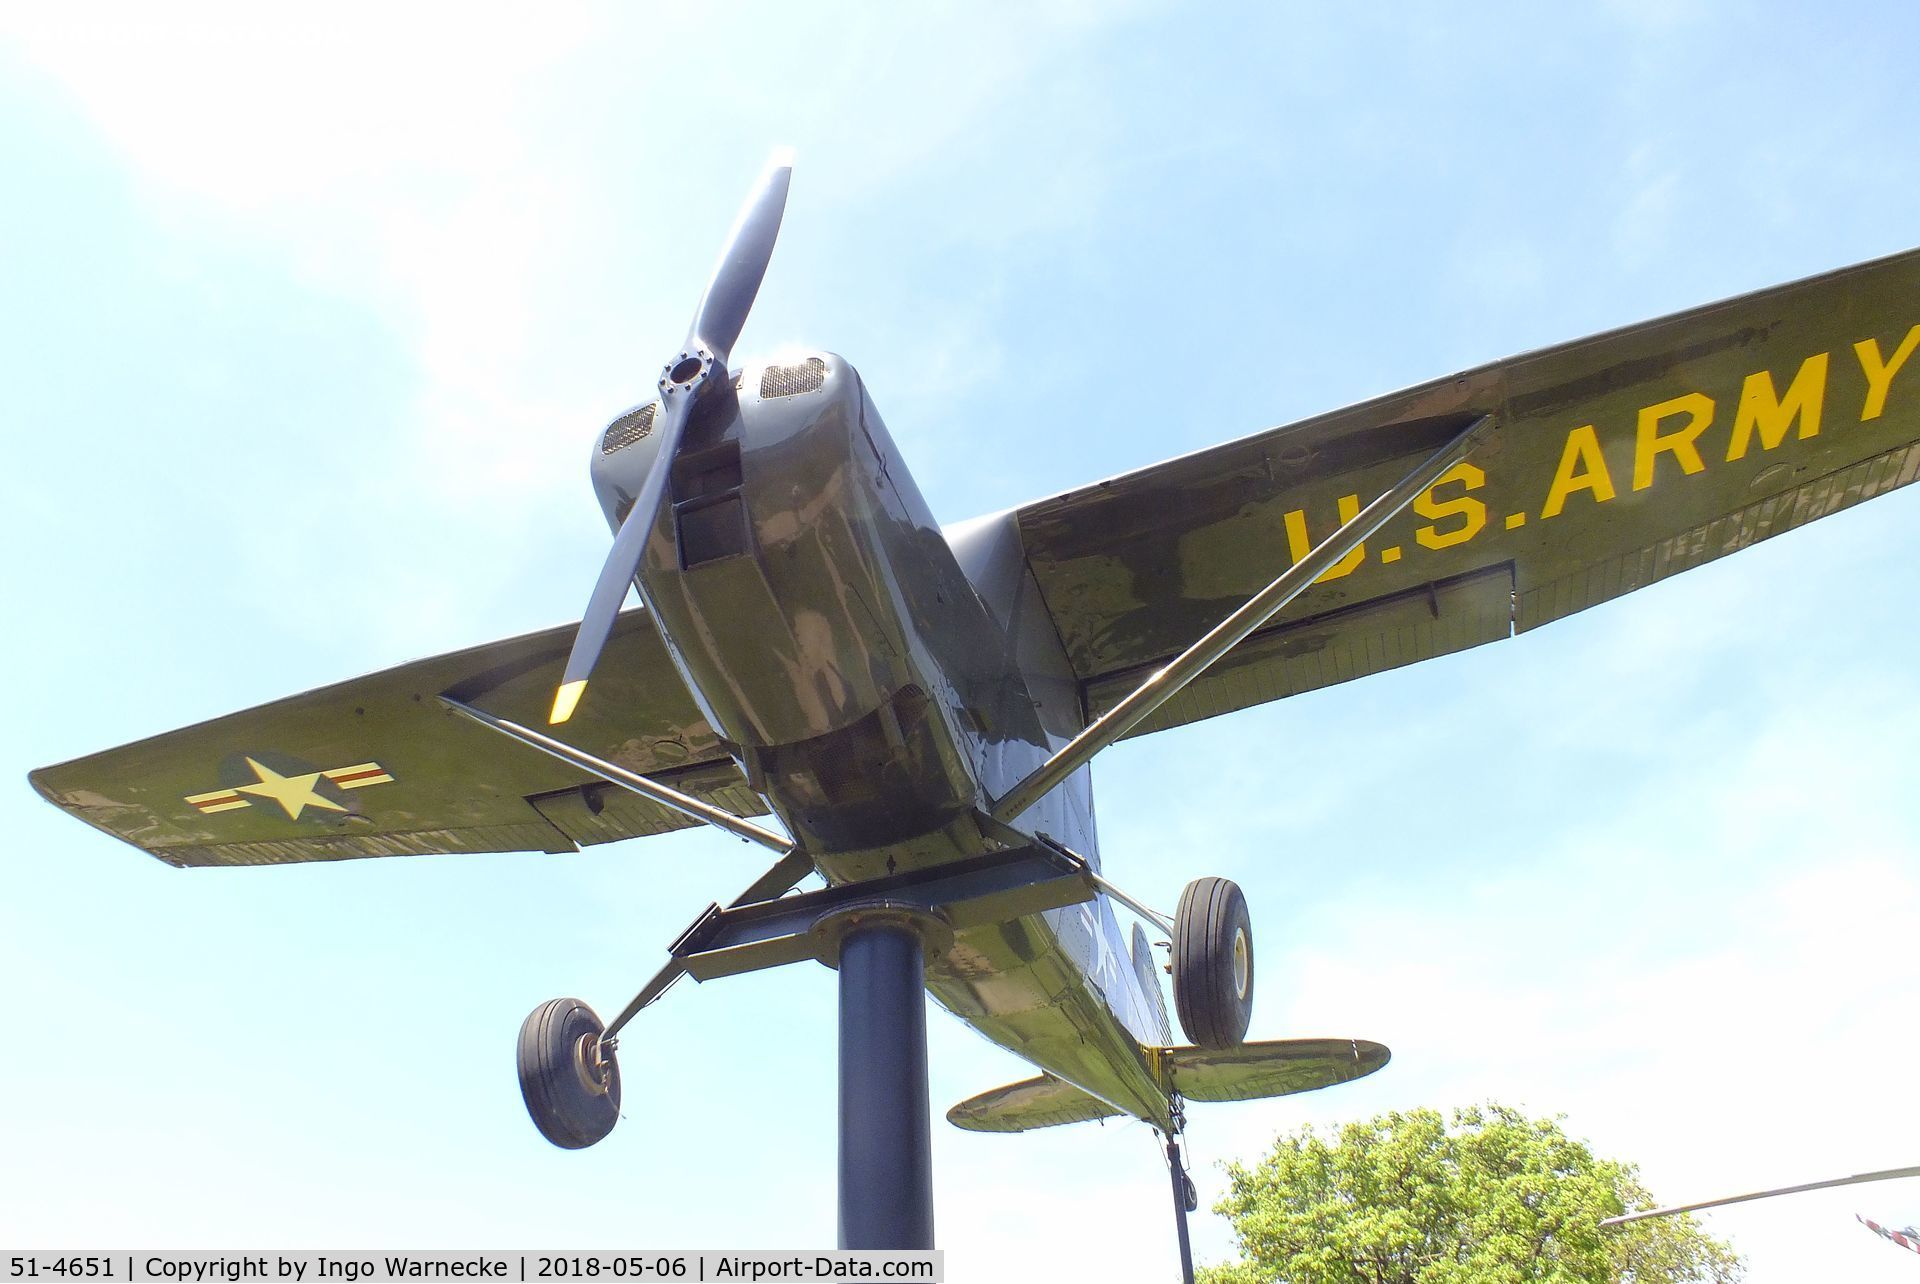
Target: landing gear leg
1185	1197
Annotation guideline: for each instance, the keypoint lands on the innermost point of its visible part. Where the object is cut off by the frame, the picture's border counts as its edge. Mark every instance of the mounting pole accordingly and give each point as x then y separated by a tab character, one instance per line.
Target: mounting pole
1178	1172
886	1138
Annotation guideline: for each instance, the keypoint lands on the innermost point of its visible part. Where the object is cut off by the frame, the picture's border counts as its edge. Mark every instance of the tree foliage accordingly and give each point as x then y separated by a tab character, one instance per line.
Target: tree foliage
1487	1197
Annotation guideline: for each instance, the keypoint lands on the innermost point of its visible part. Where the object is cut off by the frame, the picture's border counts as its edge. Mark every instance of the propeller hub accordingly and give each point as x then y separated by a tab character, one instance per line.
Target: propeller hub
688	371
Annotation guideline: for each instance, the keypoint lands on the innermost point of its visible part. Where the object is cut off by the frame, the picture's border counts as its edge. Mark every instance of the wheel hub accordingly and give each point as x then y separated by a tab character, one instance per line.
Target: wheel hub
590	1065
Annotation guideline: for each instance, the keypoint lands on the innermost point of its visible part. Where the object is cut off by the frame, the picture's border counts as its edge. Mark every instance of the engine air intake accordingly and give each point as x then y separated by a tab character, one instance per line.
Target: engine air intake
629	428
791	381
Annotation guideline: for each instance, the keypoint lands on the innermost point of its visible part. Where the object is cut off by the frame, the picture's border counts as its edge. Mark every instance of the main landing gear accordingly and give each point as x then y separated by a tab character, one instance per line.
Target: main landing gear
1213	963
568	1074
876	934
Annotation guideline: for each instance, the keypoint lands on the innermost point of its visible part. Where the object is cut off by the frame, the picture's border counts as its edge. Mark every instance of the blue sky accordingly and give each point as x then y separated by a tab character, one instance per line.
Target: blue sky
308	330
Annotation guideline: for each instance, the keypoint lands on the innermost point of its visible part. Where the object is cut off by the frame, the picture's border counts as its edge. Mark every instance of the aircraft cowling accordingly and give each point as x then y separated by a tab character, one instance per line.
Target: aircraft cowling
813	606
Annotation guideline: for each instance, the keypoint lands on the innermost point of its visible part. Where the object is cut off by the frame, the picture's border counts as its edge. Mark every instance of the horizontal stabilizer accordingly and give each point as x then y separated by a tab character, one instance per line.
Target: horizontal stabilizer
1029	1104
1277	1068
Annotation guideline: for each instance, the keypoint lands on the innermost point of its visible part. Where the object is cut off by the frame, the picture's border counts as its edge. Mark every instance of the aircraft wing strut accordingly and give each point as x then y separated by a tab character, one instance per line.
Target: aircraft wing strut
1224	636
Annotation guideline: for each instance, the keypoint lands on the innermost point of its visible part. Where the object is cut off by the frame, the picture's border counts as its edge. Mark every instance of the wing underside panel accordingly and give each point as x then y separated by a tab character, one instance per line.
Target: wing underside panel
1303	655
1821	497
1614	462
377	766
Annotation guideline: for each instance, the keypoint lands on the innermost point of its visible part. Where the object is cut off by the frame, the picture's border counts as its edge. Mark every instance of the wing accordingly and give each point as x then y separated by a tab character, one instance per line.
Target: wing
1616	461
378	767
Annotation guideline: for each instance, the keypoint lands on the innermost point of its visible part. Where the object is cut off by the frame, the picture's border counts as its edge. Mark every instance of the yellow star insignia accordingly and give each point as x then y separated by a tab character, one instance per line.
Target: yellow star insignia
294	793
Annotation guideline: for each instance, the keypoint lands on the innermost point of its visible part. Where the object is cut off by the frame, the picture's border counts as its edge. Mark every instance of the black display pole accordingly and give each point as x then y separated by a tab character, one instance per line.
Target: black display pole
1178	1172
886	1141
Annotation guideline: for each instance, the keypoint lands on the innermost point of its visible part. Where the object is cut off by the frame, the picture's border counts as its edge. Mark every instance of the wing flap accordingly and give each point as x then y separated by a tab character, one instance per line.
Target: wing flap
376	766
1616	461
1352	642
604	813
1820	497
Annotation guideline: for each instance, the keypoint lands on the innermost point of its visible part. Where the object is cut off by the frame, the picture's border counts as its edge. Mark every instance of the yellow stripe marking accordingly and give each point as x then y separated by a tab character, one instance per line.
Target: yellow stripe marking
371	773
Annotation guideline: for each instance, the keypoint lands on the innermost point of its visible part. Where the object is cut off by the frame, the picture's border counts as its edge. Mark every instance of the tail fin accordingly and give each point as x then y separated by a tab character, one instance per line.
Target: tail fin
1278	1068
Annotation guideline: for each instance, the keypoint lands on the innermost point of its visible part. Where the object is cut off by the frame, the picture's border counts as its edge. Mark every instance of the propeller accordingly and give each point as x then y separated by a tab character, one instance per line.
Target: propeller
691	384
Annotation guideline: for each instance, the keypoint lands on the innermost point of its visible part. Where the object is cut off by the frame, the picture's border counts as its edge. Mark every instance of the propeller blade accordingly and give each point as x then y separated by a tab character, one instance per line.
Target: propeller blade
694	379
743	264
603	608
622	564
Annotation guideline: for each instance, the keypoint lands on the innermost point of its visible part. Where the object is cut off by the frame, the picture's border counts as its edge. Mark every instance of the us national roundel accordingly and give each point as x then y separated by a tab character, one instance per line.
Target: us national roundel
288	786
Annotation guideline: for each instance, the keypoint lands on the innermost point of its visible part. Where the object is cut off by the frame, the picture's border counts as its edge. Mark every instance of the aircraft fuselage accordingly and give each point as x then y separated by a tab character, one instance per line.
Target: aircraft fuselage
880	682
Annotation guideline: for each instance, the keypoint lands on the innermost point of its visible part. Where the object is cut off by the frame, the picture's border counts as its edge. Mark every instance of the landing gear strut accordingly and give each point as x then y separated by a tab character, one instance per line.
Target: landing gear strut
878	934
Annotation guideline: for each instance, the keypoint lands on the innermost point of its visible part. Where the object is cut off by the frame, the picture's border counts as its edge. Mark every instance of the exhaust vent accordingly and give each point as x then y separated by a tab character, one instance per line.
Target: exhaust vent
629	428
791	381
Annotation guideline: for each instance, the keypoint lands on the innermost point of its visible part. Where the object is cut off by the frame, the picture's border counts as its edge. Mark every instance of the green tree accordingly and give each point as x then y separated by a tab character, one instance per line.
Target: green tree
1488	1197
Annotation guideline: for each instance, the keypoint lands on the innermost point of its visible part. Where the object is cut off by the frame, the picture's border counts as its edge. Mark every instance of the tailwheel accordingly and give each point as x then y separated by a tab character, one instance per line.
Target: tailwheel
1213	963
568	1074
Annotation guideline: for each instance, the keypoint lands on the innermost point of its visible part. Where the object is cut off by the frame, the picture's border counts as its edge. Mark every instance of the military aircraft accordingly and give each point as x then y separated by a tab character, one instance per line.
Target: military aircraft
919	706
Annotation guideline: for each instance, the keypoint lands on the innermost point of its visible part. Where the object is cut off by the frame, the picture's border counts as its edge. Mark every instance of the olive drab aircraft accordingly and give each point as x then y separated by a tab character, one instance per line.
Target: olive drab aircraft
918	706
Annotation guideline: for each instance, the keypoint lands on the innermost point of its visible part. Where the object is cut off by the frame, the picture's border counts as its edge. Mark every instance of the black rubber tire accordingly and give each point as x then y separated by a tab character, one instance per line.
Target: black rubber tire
1212	996
569	1107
